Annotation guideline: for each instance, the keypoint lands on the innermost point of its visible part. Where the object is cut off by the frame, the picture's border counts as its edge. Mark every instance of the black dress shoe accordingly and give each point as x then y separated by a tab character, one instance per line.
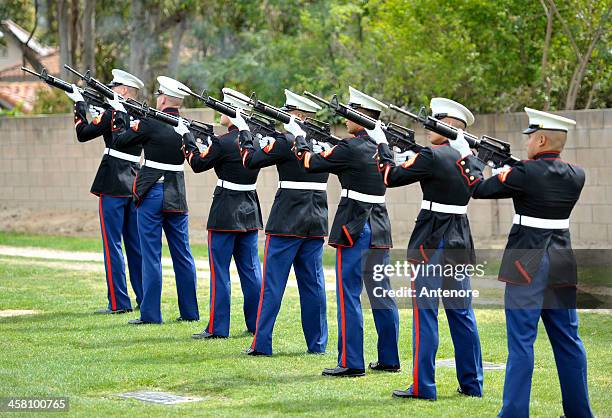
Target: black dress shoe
316	353
398	393
461	392
383	367
181	319
205	335
252	352
343	372
111	312
138	322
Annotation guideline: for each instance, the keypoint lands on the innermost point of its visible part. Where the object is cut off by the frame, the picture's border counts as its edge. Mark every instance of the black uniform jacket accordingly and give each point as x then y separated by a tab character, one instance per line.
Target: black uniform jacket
298	213
352	161
115	176
231	210
161	144
445	178
544	187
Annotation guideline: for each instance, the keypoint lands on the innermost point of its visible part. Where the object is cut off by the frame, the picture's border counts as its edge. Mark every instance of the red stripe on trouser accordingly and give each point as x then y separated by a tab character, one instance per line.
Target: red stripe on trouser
417	339
261	293
109	270
211	263
342	317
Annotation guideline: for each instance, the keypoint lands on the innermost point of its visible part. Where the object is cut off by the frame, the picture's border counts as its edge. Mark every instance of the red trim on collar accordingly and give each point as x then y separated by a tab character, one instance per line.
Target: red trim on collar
232	128
360	133
547	155
171	110
443	144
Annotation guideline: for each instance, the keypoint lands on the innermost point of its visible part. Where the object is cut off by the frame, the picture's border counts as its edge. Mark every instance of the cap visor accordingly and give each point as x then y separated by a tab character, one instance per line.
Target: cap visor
529	131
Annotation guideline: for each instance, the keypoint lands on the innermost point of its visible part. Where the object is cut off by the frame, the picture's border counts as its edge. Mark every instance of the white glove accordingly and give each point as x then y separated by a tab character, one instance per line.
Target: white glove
76	95
264	140
293	128
401	157
116	104
496	171
325	146
239	121
377	134
316	146
95	111
182	127
460	144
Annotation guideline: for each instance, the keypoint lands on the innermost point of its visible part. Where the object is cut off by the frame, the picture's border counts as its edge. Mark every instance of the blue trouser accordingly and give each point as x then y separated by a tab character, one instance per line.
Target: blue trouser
349	285
306	255
523	312
425	340
243	247
151	220
117	218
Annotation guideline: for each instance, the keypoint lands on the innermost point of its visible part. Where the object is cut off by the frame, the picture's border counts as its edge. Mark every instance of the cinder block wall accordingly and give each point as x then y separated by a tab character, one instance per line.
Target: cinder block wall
44	169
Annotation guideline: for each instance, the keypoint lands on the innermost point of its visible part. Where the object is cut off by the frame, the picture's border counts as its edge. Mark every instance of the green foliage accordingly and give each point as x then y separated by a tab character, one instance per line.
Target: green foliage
485	53
51	101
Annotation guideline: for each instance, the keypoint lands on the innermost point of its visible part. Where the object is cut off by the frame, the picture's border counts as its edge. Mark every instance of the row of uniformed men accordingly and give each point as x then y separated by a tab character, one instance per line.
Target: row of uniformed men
449	176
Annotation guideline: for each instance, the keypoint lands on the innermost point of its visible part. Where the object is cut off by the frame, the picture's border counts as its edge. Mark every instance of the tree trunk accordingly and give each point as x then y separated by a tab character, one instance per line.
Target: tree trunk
175	52
89	35
63	23
74	31
138	37
545	78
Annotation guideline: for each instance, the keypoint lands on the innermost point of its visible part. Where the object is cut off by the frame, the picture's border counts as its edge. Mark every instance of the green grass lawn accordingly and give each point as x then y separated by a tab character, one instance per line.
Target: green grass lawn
71	243
64	350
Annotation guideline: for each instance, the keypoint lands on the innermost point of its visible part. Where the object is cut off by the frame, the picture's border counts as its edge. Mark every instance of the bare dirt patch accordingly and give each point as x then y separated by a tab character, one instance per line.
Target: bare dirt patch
16	312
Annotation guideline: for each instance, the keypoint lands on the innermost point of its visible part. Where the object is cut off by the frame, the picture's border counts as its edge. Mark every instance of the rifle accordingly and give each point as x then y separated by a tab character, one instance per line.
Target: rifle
397	135
105	91
315	129
492	151
91	96
258	125
142	110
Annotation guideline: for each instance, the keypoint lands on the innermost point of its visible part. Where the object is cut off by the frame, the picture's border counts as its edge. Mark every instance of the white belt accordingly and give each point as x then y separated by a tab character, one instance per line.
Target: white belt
362	197
162	166
302	185
440	207
122	155
540	222
235	186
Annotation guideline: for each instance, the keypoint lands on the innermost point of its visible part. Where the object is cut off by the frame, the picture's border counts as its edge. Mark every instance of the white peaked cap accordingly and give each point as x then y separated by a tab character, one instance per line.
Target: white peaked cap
544	120
229	99
357	98
171	87
451	109
126	79
295	101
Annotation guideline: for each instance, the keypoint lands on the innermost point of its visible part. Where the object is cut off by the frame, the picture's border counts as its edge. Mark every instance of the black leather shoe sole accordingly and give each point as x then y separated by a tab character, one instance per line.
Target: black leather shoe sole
205	336
138	322
251	352
407	394
343	372
384	368
181	319
111	312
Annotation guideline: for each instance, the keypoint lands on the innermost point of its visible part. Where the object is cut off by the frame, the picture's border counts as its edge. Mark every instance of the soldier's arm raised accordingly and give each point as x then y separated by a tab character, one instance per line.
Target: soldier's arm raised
87	131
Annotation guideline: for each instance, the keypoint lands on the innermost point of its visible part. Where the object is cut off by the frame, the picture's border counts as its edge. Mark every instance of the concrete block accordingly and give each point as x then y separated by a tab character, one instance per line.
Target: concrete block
602	213
591	158
593	232
588	118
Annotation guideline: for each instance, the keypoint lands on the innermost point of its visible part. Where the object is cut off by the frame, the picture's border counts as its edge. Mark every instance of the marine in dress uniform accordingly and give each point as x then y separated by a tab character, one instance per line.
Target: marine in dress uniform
233	222
538	265
361	224
441	236
295	235
113	186
159	193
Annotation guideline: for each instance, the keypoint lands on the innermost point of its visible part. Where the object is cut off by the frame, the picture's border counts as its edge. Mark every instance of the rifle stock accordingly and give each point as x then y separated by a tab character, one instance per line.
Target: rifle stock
491	151
91	96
